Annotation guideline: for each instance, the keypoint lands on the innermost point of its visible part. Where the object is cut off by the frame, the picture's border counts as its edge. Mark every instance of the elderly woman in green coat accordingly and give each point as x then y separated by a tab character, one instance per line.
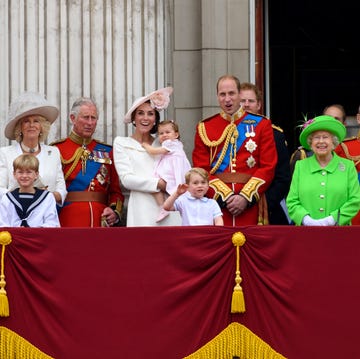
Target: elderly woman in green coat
324	190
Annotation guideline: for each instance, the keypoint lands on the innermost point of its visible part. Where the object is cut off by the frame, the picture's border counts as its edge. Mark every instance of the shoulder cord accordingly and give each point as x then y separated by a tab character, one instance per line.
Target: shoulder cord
356	159
229	134
75	159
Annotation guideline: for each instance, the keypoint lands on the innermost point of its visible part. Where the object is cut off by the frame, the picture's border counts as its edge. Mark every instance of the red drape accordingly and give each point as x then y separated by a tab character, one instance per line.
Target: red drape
164	292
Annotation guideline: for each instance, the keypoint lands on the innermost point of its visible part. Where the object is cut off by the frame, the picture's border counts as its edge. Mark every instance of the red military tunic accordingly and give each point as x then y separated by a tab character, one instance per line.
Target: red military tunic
239	152
350	148
91	181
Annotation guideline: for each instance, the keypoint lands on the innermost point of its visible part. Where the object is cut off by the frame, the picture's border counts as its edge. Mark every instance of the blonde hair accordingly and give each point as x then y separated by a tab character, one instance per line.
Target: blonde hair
173	124
26	162
45	128
196	170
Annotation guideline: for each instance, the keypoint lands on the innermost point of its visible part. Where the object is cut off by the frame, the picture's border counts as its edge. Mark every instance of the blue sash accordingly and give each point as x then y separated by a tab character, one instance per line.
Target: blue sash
249	120
81	181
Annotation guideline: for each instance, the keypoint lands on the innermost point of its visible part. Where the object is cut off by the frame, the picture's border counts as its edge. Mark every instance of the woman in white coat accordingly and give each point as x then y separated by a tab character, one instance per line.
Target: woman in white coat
29	119
135	166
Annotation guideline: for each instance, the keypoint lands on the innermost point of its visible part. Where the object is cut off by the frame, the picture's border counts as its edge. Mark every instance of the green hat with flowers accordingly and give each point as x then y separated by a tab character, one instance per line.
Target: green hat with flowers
321	123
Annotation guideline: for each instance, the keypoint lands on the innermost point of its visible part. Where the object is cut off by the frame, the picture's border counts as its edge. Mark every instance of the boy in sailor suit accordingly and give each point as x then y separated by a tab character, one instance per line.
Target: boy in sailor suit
28	206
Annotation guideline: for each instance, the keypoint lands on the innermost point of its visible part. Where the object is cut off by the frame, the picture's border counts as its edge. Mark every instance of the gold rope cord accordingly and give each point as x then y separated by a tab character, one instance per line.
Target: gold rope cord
75	159
229	134
5	239
236	340
237	301
356	159
14	346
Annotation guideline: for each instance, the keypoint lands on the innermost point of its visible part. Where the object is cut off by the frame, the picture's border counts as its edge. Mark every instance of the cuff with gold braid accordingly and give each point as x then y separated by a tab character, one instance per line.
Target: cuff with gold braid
222	191
250	189
117	208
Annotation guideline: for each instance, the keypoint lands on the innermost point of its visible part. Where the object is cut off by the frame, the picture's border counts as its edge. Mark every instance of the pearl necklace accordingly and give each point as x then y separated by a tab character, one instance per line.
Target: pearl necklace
29	149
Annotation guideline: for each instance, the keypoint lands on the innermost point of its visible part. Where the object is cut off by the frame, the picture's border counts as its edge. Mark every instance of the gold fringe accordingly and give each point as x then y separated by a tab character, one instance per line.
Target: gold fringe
13	346
238	301
236	340
5	239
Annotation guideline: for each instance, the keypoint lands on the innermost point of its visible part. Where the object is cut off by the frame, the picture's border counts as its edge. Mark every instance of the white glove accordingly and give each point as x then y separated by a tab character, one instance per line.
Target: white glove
327	221
308	221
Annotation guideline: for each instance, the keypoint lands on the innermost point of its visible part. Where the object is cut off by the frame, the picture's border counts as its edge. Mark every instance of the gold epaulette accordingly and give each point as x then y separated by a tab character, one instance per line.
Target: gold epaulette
350	138
278	128
258	114
209	118
58	141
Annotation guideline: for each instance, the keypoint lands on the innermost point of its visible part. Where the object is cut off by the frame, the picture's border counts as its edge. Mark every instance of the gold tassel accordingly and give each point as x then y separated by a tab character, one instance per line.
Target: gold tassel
5	239
238	301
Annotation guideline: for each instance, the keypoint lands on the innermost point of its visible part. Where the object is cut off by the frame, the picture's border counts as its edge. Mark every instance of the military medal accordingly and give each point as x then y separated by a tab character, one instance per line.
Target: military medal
251	162
252	132
251	146
101	156
247	133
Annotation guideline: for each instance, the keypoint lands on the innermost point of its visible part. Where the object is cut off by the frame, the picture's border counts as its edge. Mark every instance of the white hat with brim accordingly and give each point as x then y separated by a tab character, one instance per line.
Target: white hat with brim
27	104
159	100
322	123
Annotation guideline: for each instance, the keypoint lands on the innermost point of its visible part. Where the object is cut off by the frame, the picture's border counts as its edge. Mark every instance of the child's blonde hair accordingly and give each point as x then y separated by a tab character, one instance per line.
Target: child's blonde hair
174	125
26	162
196	170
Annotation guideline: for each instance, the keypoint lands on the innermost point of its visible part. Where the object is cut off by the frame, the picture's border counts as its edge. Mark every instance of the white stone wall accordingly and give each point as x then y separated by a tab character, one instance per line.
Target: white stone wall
118	50
211	38
111	50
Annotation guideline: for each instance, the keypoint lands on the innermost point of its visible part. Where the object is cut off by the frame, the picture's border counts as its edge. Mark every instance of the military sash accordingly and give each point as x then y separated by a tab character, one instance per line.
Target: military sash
98	156
246	128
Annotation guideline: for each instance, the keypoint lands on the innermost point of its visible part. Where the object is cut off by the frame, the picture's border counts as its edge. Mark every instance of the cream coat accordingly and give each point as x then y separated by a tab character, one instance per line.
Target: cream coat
50	169
135	168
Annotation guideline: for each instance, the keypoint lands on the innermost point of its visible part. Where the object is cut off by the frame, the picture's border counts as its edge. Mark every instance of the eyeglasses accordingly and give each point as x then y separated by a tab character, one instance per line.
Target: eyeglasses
319	138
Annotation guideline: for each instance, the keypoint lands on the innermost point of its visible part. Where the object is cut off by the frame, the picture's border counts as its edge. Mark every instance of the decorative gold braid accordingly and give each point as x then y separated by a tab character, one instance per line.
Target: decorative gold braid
230	132
5	239
205	138
355	159
75	159
237	301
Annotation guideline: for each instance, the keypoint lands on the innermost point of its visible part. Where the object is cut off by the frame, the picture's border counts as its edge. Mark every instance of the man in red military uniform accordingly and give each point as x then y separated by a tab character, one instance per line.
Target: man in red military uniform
94	196
237	148
350	148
